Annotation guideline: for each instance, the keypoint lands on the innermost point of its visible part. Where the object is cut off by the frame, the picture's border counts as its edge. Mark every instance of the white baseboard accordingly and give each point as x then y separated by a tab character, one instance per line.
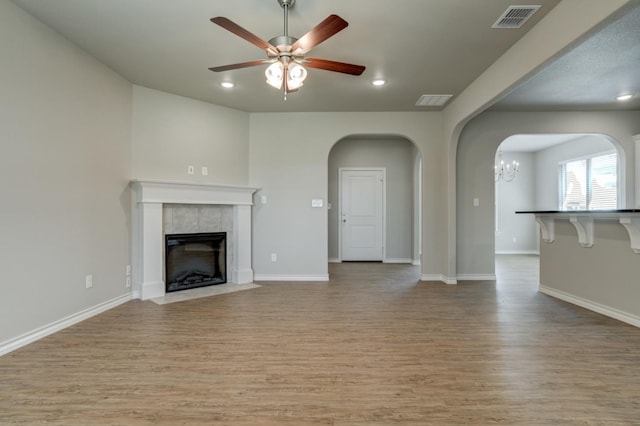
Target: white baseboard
592	306
416	262
476	277
273	277
336	260
44	331
438	277
397	260
536	252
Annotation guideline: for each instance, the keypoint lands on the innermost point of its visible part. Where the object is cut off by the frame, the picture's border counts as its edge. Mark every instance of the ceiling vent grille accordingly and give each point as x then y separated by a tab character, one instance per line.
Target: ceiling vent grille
433	100
515	16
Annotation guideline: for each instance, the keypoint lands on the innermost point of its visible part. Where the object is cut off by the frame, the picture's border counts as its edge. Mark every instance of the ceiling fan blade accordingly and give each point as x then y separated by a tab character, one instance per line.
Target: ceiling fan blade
240	65
229	25
325	29
325	64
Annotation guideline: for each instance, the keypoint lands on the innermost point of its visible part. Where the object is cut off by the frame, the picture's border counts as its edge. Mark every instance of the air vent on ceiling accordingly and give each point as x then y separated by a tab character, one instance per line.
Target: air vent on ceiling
433	100
515	16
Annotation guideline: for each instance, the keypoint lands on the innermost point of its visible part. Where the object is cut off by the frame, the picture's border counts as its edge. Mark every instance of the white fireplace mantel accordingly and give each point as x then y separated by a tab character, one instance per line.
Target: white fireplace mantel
148	196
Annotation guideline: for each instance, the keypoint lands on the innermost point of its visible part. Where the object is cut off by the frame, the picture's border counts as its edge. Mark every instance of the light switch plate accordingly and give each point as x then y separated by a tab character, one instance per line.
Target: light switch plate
316	203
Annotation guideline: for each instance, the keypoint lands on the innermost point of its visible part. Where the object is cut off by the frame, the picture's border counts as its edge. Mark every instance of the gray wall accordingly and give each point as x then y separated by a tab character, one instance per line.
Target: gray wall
474	168
289	163
172	132
513	196
396	155
582	275
65	166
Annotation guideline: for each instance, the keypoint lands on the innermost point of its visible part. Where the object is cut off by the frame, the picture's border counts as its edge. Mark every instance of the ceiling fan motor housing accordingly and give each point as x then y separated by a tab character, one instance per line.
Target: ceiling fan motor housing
287	3
283	43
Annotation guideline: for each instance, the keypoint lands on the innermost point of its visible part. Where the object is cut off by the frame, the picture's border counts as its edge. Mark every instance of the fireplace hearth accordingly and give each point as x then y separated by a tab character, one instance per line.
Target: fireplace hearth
195	260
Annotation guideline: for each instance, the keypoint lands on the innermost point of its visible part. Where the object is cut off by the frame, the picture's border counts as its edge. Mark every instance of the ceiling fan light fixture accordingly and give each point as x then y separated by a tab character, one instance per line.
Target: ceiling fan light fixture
296	74
274	74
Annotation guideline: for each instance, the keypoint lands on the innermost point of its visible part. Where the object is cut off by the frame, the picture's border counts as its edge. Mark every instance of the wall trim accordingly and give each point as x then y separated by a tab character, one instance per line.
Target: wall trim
476	277
536	252
46	330
590	305
438	277
398	260
274	277
335	260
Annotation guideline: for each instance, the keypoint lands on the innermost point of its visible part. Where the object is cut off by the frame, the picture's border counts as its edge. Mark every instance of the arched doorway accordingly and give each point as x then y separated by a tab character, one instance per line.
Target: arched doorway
401	162
556	172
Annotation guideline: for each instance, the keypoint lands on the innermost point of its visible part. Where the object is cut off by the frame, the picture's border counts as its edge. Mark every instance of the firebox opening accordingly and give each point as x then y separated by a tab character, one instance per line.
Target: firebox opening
195	260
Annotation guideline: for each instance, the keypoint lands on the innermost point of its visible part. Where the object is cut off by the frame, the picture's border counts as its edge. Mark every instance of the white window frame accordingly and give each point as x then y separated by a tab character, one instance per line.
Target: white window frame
588	158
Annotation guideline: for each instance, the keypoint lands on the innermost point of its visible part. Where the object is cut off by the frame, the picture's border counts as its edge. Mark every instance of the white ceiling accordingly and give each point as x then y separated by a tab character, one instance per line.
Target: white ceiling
418	46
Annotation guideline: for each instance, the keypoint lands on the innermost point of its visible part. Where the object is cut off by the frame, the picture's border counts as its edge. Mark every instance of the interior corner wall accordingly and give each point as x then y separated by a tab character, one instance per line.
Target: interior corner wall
172	132
65	166
396	155
289	163
477	145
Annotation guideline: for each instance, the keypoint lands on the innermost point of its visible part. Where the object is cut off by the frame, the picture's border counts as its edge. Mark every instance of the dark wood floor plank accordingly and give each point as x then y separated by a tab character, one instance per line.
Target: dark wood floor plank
373	346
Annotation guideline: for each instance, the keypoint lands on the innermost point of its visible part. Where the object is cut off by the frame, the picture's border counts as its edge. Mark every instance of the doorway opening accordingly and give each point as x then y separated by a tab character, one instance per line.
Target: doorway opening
550	178
374	200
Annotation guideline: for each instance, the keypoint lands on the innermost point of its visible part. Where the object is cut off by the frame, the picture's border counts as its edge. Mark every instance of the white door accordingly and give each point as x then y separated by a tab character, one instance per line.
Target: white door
362	213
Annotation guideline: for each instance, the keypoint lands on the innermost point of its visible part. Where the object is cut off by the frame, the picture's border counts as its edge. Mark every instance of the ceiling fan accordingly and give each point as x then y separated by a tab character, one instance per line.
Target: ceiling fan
286	54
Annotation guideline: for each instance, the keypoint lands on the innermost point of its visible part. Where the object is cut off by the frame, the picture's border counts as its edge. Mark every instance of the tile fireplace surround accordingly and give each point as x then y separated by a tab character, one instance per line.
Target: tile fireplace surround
148	198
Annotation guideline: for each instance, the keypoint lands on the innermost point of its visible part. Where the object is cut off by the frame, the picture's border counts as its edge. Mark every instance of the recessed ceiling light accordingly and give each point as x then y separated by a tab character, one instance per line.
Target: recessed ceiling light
227	84
624	97
378	82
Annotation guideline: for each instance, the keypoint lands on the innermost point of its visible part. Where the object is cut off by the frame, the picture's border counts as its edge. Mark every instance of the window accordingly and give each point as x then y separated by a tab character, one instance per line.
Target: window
589	183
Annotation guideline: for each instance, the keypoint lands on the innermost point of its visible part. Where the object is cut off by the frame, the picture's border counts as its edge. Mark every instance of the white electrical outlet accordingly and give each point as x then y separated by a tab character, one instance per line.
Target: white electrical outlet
274	257
476	202
191	170
88	281
263	199
128	282
128	271
205	171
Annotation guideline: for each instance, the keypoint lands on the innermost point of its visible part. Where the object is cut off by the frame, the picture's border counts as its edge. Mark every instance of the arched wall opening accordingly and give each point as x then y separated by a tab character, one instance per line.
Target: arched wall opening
402	163
540	183
475	157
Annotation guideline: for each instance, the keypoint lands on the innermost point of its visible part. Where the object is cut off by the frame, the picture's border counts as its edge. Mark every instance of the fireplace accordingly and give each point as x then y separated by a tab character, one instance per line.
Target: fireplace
195	260
149	199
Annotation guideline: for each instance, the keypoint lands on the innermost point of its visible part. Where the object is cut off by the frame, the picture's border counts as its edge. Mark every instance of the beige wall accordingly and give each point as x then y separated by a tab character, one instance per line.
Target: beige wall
289	162
65	165
172	132
604	276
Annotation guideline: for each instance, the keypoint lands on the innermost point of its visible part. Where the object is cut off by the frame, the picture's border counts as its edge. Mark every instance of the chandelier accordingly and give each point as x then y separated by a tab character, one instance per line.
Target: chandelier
505	172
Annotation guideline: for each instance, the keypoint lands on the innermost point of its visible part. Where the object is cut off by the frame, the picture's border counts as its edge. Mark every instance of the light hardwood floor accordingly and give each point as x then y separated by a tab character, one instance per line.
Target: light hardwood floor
374	346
